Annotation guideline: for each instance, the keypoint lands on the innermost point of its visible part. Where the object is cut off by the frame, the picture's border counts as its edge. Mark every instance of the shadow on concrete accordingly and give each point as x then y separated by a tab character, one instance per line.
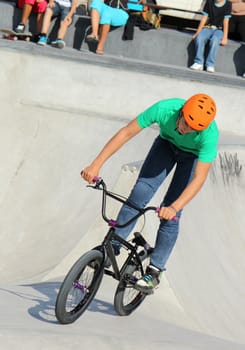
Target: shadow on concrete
190	53
44	308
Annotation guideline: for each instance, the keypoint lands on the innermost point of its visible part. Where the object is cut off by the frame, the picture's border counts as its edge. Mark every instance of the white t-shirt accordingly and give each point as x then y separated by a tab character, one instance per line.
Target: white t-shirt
66	3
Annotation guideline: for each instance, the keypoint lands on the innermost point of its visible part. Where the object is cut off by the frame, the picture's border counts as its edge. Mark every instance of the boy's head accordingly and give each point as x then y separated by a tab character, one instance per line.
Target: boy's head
199	111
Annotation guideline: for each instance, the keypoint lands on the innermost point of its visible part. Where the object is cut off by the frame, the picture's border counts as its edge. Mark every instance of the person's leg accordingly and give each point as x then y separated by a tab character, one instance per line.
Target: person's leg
45	25
40	17
39	8
26	13
214	43
65	22
157	165
104	31
47	20
168	230
96	8
241	28
233	28
95	22
200	43
109	16
63	29
27	6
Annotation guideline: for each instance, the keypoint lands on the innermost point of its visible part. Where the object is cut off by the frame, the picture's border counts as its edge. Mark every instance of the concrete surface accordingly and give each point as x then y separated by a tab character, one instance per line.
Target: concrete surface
57	110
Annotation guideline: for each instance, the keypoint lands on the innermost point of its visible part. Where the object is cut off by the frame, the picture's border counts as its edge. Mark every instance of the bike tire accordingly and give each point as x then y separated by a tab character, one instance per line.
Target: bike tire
127	298
79	287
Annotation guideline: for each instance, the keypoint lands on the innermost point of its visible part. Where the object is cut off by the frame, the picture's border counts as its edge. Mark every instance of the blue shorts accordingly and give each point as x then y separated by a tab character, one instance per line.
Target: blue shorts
60	10
109	15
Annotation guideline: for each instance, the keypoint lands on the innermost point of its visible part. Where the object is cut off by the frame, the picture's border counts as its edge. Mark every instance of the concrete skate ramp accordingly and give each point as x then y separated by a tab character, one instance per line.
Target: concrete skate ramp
56	114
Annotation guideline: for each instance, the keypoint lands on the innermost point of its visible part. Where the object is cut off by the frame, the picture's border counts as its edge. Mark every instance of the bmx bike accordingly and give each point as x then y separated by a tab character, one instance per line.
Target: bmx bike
84	278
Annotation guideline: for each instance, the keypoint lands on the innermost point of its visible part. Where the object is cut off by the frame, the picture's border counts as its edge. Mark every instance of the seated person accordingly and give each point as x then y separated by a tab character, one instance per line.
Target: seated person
237	21
29	6
213	27
102	18
66	10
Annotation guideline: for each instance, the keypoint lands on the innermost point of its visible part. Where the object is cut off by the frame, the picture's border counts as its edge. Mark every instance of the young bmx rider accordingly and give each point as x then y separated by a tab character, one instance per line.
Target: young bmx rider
188	138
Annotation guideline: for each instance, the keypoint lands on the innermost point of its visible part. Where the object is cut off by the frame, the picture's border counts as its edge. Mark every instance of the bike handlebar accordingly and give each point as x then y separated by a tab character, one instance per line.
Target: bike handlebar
100	185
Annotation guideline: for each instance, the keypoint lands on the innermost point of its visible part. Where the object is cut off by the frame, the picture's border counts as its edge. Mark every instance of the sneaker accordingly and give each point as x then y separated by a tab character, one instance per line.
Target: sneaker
35	38
210	69
149	281
59	43
42	40
20	28
197	66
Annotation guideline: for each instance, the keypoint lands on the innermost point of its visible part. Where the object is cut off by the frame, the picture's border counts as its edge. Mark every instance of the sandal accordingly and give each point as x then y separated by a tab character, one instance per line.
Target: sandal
99	52
92	37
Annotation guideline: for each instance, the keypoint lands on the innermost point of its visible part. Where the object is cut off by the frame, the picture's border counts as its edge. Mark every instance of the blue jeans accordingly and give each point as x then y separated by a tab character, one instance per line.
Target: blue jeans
160	160
214	37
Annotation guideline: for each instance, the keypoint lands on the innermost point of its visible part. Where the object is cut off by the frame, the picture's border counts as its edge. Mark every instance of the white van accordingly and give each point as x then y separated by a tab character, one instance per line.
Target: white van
185	5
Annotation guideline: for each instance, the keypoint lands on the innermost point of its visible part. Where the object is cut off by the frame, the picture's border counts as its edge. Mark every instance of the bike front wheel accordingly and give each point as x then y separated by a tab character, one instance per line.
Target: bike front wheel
127	298
79	287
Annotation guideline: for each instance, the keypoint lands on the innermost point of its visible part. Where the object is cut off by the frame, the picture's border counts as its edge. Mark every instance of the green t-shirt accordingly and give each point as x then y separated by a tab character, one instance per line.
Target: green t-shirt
165	113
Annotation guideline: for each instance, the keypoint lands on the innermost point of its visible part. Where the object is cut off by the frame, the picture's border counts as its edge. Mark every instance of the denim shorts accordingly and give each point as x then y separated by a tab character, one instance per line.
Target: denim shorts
110	15
60	10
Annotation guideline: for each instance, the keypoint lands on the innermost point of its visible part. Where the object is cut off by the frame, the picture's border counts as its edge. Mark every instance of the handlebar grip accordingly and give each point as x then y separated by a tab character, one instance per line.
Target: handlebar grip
175	218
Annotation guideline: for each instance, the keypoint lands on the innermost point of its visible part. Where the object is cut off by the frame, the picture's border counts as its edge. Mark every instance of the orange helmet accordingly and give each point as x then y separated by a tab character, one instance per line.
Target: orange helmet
198	111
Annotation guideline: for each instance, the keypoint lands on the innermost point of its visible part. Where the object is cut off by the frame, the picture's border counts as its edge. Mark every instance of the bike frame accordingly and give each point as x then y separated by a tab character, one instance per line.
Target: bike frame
106	246
108	251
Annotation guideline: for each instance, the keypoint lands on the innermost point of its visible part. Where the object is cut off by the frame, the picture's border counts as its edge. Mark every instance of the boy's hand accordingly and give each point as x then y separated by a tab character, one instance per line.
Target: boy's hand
68	19
89	173
224	42
167	213
195	35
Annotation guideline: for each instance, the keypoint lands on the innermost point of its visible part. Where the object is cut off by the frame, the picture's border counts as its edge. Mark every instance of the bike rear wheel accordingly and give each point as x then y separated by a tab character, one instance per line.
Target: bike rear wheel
79	287
127	298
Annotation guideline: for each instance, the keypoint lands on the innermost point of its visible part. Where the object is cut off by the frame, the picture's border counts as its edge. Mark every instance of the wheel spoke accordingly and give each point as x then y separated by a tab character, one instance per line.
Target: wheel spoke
79	287
127	298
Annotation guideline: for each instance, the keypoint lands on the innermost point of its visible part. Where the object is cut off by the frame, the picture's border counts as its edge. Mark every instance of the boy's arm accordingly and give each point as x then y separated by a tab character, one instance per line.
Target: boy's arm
112	146
224	40
71	12
202	23
200	175
73	7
